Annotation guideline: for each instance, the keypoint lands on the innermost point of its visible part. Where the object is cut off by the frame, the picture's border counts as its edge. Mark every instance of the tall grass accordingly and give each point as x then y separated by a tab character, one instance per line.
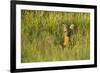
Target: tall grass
42	34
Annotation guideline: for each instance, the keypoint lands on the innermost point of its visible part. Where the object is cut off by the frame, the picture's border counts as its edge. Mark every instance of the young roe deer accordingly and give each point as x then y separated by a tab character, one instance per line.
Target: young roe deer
67	35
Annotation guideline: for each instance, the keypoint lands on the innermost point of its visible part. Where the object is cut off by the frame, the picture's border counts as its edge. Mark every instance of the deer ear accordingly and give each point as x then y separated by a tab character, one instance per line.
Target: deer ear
64	25
71	26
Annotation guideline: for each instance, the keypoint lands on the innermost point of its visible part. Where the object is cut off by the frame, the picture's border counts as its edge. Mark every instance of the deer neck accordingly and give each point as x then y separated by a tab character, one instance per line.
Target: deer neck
65	34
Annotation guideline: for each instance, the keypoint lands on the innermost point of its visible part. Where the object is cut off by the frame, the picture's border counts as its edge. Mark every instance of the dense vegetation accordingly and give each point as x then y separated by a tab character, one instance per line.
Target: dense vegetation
42	33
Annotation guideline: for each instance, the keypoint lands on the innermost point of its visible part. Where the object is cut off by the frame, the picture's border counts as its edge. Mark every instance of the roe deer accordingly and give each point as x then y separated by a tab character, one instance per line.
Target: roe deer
67	34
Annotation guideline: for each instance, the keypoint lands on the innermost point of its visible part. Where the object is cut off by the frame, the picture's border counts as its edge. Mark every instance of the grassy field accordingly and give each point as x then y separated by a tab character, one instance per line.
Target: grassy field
41	35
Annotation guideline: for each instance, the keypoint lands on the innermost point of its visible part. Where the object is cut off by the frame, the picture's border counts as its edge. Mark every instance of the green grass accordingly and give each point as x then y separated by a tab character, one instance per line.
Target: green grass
42	33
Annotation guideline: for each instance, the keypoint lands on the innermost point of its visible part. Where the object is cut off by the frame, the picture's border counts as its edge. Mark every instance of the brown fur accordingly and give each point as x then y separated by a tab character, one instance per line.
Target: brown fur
66	38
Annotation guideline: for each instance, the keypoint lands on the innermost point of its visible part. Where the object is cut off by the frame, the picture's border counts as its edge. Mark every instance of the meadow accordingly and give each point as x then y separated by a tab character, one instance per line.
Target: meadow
41	35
